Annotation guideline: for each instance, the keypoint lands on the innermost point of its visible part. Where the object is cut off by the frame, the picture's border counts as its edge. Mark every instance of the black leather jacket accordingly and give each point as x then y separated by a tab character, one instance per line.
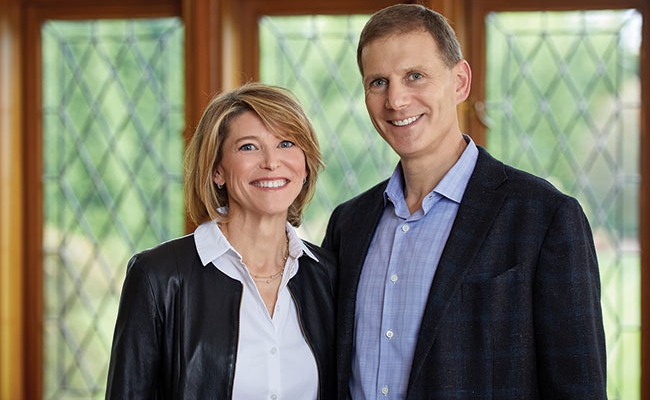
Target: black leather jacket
177	327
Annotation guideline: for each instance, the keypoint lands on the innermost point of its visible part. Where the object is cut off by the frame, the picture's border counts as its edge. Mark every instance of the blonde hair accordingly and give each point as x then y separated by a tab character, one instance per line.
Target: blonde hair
281	113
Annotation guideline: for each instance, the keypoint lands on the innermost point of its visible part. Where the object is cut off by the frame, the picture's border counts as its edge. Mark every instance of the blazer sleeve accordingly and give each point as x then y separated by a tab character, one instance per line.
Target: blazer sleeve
135	355
569	331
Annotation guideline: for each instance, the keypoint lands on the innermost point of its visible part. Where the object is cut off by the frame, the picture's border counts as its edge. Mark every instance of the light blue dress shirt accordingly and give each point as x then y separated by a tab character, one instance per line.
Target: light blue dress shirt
396	278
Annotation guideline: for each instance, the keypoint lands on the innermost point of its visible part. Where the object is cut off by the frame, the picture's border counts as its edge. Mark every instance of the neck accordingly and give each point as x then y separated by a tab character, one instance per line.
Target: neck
264	248
423	174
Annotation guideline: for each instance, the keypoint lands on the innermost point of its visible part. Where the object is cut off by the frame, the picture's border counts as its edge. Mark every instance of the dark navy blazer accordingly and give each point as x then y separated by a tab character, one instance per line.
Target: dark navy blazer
514	308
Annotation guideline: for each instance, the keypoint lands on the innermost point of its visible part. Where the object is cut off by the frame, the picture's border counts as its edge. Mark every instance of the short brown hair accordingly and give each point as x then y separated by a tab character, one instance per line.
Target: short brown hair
281	113
405	18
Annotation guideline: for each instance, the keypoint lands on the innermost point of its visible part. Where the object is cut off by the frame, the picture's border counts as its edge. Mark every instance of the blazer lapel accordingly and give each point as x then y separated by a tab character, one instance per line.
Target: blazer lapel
478	208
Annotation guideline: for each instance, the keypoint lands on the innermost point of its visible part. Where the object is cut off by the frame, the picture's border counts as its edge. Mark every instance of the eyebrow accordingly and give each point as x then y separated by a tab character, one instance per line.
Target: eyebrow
404	71
247	137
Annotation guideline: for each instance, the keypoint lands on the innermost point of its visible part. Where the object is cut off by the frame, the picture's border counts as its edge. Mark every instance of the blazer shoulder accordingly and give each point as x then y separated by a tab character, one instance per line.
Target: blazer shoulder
324	270
364	200
324	256
492	172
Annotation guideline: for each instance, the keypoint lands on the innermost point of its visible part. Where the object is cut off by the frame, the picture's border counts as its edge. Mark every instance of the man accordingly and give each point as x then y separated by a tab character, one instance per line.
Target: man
460	277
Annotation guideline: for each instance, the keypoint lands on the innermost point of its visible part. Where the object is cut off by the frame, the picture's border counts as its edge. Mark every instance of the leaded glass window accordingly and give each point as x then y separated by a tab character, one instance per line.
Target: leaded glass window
113	116
563	102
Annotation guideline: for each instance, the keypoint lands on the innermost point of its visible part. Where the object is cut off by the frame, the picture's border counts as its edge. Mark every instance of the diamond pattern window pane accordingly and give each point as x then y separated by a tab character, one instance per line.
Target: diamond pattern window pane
563	101
113	116
315	57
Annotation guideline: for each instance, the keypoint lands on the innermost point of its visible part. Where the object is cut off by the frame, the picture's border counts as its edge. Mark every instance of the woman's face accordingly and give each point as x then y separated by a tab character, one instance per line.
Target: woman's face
262	173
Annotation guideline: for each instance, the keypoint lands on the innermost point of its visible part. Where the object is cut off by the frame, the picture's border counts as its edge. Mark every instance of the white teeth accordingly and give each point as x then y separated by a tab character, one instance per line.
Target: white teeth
406	121
271	184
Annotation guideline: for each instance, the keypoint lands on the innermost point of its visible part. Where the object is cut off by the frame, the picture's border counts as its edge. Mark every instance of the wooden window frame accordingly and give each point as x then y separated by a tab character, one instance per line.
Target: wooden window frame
221	51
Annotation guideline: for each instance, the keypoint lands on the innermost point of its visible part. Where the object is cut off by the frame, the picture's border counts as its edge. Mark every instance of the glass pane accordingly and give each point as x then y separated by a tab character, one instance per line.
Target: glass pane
113	116
563	102
315	57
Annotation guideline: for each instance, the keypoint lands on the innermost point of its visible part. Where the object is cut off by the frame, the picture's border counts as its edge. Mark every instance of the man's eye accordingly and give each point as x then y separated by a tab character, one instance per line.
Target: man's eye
415	76
286	143
378	83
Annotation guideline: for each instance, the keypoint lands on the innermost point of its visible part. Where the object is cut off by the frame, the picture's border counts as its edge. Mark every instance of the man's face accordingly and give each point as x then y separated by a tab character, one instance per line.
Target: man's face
411	95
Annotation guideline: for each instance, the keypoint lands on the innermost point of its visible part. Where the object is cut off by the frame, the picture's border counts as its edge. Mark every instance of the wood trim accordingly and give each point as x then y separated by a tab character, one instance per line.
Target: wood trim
11	209
203	69
94	11
476	58
644	199
152	5
204	72
33	256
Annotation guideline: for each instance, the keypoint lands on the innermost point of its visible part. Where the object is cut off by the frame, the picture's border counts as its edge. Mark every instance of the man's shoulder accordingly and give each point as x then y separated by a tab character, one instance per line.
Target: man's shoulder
514	180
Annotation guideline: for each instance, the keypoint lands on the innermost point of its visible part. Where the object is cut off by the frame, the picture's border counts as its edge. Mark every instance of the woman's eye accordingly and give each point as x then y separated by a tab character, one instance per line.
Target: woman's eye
247	147
286	143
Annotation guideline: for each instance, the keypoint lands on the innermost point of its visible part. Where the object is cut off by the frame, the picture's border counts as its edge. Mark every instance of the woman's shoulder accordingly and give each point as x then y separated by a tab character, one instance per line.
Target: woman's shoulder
167	257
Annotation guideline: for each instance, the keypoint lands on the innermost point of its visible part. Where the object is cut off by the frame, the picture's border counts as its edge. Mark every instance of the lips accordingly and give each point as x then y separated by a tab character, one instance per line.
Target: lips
270	184
404	122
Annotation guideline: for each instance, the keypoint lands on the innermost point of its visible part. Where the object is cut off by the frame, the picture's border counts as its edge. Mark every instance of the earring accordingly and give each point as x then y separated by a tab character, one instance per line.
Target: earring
304	181
219	186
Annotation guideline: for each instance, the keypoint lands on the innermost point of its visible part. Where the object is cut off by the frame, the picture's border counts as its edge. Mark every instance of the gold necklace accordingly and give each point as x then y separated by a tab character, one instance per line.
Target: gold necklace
272	277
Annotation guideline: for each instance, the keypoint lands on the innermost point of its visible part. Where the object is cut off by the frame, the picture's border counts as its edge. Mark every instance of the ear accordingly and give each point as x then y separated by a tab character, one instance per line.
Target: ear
463	77
217	177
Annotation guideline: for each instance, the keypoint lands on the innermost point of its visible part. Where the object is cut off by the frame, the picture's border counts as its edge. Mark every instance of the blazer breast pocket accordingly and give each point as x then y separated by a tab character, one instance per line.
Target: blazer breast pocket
508	286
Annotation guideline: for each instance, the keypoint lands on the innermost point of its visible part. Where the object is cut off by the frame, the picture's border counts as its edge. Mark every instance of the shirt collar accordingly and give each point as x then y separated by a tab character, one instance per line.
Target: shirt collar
452	185
212	244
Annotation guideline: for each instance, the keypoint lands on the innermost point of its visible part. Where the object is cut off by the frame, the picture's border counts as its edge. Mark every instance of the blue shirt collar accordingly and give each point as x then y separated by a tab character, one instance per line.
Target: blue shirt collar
452	185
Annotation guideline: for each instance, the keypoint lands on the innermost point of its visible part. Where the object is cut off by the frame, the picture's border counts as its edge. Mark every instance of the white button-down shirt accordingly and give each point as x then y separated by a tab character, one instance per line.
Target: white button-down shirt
273	359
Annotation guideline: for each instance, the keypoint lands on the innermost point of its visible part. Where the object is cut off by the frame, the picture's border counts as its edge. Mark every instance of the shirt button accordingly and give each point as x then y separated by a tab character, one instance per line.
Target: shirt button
274	396
389	334
384	390
274	350
405	228
393	278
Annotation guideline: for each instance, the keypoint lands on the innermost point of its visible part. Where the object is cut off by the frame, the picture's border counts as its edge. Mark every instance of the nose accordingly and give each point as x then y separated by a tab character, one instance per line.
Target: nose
396	96
270	159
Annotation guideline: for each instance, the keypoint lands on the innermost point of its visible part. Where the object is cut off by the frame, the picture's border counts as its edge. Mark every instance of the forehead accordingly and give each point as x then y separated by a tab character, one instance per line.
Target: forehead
403	50
247	123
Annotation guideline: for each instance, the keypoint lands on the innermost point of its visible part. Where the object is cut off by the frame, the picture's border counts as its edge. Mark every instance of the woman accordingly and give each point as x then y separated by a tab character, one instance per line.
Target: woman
242	308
